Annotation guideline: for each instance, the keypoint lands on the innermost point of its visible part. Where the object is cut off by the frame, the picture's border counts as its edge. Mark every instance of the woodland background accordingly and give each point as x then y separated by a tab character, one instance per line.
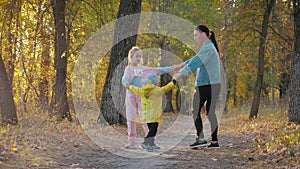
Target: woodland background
41	41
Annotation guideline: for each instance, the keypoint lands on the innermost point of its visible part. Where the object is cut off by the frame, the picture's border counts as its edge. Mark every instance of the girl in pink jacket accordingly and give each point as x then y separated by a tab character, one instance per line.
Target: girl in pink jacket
132	76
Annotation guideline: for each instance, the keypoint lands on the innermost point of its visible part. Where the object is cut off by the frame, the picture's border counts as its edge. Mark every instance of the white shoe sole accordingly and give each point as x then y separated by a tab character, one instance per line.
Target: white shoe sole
202	145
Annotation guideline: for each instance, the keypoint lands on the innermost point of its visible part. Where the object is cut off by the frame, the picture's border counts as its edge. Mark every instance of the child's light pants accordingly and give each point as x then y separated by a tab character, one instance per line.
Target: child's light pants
133	108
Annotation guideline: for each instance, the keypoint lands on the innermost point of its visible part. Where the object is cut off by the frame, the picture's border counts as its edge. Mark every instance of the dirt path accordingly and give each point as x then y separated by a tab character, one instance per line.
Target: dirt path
80	152
231	155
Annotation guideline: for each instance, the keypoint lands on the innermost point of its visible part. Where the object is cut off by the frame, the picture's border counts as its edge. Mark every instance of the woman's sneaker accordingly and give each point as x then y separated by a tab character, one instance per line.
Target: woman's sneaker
199	143
213	145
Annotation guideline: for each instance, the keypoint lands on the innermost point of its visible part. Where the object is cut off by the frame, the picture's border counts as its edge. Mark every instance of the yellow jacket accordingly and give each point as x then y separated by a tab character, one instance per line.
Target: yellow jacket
151	96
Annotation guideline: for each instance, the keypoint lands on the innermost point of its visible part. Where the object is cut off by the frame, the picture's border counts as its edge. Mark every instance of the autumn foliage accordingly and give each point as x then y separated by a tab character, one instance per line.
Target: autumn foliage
31	135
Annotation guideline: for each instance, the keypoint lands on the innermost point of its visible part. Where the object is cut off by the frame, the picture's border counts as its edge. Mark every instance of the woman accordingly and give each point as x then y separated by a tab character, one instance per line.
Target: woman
207	85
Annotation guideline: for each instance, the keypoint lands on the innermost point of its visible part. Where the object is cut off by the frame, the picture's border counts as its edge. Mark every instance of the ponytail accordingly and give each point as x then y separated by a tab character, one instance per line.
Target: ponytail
213	39
210	34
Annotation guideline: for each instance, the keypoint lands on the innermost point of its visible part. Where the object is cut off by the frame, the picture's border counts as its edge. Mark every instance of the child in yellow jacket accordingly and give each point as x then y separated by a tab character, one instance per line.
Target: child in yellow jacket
151	98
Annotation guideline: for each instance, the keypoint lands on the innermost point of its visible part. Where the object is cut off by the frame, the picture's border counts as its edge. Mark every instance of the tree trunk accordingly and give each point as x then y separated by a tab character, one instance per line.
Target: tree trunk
228	14
167	7
61	105
165	78
285	78
44	84
7	104
108	111
11	37
261	60
11	40
294	104
234	94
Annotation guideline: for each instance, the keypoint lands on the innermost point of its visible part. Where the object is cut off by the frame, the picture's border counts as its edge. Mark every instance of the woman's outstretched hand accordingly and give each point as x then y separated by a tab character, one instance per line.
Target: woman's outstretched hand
175	68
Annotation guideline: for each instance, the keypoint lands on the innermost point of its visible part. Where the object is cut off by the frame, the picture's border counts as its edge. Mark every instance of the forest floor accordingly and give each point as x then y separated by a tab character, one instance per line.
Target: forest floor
38	142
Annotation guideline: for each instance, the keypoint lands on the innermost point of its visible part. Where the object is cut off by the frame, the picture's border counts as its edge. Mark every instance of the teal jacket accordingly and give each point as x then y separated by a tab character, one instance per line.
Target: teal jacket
208	62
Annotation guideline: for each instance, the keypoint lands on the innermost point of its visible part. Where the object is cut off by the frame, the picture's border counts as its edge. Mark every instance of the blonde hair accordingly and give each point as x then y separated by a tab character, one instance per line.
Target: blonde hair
131	52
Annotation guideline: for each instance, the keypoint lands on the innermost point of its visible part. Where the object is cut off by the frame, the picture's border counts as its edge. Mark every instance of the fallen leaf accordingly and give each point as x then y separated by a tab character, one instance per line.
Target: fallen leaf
14	148
214	159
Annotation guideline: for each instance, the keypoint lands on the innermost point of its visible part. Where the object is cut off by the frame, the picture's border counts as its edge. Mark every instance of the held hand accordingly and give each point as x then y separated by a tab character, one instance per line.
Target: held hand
176	76
127	86
175	68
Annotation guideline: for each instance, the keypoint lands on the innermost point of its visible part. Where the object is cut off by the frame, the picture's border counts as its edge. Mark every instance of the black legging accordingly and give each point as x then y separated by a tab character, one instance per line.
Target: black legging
149	139
210	95
152	129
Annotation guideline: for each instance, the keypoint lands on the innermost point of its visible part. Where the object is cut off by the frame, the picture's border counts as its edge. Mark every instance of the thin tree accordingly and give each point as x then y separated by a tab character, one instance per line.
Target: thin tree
226	41
294	104
7	104
166	7
261	60
61	105
44	81
108	111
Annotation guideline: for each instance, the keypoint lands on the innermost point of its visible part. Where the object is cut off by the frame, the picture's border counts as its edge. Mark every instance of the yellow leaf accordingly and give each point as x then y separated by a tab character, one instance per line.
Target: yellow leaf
63	55
3	132
15	144
14	148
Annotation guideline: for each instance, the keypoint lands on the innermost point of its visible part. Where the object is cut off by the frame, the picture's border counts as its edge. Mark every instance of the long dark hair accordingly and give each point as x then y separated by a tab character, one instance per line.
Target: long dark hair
209	34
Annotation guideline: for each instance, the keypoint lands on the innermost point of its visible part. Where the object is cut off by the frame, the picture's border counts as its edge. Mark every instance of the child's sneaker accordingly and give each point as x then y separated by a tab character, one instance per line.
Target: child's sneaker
156	147
130	145
144	145
147	147
213	145
199	143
